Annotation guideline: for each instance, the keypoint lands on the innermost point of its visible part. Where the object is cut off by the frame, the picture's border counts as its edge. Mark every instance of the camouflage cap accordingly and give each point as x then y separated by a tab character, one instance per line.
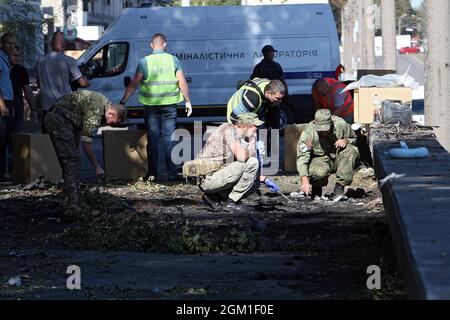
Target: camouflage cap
249	118
322	120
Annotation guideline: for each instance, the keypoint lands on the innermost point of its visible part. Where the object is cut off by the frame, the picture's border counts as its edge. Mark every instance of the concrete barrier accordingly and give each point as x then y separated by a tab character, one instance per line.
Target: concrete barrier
34	156
125	154
418	209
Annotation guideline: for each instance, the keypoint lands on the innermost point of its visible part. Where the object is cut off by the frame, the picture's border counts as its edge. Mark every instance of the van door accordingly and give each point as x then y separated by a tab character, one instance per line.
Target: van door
106	70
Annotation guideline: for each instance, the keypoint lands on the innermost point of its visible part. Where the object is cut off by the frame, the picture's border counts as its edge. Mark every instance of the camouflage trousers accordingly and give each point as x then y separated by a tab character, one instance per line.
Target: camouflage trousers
237	176
320	168
65	139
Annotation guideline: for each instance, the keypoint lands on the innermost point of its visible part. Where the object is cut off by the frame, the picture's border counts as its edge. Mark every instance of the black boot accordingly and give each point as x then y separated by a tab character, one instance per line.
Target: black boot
316	192
339	193
212	200
338	190
238	207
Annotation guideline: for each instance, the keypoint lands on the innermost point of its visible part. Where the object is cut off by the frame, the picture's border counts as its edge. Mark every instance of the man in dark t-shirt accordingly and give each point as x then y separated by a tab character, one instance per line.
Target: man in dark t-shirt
268	68
21	86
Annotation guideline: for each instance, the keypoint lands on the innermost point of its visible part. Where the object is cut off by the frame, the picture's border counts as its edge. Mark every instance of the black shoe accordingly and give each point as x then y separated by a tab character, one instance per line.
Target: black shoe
212	201
231	206
338	190
338	193
316	192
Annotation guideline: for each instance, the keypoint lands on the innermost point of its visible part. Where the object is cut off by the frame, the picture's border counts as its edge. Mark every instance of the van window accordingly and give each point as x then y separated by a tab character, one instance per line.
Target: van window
109	61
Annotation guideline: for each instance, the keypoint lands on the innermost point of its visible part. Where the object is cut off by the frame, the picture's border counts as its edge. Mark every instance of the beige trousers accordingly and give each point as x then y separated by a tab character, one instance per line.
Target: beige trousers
237	176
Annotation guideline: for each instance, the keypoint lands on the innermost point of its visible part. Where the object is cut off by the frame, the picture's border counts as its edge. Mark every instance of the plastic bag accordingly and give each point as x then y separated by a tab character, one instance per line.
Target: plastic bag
386	81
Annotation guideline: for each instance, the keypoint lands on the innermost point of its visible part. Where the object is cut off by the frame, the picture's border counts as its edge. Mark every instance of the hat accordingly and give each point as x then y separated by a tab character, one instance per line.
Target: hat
268	48
249	118
322	120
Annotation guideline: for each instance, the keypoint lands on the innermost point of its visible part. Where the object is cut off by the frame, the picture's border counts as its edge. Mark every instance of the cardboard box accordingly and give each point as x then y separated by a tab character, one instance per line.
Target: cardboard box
291	136
125	154
34	156
364	100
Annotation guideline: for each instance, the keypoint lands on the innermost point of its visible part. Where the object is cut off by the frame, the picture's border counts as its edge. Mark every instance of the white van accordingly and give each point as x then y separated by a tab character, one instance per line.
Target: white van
217	47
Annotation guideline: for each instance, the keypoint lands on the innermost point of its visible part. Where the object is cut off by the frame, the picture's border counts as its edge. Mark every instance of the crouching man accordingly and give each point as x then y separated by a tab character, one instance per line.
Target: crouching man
327	145
72	117
227	165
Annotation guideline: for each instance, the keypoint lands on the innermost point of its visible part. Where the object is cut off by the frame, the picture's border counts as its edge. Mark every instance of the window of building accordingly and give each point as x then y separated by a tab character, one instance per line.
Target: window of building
85	5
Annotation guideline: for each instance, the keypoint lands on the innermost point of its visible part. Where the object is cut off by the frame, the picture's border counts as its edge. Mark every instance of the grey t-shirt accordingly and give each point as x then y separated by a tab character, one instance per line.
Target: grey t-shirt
55	71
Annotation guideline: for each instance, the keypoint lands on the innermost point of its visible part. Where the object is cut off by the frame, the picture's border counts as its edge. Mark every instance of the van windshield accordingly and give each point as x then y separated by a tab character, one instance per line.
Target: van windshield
90	50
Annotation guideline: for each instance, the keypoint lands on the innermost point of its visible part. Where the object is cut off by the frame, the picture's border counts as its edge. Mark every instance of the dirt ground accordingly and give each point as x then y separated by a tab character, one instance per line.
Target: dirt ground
329	244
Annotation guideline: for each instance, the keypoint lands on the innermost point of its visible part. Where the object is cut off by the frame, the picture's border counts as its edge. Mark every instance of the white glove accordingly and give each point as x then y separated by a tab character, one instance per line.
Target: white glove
188	109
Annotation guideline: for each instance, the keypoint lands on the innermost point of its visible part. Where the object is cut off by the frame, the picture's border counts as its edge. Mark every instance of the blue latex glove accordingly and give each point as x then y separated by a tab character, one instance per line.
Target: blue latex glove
273	187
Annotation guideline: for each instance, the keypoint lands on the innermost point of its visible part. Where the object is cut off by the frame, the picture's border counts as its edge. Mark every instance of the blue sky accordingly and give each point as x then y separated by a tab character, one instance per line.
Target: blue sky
416	3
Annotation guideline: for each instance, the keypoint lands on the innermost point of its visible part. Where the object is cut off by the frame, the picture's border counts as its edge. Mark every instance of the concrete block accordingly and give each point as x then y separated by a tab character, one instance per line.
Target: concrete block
125	154
291	136
34	156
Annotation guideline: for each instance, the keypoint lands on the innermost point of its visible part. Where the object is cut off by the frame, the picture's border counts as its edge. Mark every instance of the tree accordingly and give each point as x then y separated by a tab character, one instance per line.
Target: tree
402	7
24	20
420	19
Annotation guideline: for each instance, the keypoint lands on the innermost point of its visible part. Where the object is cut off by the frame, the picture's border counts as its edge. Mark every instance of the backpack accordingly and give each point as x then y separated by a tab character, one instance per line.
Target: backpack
198	168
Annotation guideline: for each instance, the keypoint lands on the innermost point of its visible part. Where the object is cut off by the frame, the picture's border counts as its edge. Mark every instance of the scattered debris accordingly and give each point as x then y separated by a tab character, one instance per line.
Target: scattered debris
367	172
157	218
357	194
298	195
40	183
15	281
375	203
339	198
392	176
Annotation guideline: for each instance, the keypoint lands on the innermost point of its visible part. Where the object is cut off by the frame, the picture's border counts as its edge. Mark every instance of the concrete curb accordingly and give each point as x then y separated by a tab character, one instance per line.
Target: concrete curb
418	209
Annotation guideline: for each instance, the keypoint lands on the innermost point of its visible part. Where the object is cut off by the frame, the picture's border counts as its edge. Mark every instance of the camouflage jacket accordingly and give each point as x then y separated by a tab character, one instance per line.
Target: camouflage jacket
321	146
85	109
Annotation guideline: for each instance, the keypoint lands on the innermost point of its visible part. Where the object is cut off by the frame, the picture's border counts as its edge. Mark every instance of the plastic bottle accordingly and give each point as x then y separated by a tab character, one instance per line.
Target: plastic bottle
377	110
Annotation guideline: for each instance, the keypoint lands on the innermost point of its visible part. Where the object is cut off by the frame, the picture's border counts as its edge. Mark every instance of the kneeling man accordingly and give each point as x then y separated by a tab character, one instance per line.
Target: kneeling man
232	147
327	145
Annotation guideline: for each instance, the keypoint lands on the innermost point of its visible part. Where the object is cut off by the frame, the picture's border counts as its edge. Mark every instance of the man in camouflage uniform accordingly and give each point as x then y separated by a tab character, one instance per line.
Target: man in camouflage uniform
326	145
71	118
233	148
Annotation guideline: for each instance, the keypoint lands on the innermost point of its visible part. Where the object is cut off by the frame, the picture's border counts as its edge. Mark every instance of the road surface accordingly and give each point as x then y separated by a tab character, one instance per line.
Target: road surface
404	61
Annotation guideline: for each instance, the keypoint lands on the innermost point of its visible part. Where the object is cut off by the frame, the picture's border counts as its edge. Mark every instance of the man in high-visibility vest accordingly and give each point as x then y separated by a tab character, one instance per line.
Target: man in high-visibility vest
327	94
255	96
163	86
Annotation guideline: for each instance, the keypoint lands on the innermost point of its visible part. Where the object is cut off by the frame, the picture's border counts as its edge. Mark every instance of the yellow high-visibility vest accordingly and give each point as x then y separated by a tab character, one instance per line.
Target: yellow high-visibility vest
161	86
